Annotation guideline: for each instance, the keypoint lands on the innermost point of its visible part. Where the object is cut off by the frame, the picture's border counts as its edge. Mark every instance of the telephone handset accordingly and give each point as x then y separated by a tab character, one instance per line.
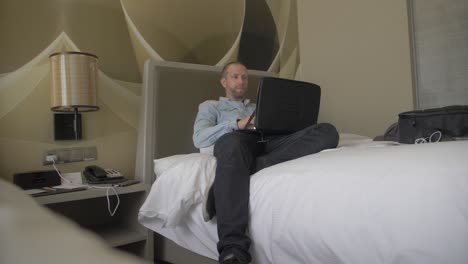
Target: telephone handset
95	174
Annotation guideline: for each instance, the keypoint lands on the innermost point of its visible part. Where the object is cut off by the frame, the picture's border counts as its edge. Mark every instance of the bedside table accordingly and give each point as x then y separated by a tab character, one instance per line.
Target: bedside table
88	208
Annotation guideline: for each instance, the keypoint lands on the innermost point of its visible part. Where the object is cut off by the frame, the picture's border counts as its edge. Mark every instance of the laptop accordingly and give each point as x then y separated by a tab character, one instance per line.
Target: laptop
285	106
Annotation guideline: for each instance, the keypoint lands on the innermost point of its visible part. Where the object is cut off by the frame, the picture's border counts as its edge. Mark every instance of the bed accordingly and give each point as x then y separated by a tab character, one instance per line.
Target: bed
364	202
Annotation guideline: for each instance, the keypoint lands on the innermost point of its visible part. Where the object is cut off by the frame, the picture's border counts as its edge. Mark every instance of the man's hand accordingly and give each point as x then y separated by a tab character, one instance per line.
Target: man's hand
241	123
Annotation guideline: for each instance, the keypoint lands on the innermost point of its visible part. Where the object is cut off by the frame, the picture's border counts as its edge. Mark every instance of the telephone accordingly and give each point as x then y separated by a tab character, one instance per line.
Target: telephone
97	175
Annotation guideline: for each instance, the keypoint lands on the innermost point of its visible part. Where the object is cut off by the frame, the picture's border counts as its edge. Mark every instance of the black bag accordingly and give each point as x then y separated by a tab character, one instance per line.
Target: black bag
446	123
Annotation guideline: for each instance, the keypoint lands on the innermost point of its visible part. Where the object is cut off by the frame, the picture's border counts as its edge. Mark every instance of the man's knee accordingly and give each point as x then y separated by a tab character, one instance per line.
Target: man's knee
327	132
326	127
331	137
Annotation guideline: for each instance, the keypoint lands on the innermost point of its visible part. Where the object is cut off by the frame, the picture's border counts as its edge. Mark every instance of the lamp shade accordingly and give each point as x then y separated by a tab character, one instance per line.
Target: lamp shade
73	81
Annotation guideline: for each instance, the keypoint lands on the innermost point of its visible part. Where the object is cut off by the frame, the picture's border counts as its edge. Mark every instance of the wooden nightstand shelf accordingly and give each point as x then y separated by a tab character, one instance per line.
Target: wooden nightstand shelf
89	209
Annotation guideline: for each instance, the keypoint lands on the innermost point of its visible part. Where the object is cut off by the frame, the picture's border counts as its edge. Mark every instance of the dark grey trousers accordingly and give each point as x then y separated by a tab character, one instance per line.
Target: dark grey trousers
241	154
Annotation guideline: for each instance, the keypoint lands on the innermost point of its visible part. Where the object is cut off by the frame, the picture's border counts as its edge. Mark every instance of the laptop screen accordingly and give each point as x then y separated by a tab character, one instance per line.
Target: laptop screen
286	106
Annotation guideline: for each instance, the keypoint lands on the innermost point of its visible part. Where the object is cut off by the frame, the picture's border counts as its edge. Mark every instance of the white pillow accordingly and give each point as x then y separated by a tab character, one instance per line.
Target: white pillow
162	164
207	150
182	182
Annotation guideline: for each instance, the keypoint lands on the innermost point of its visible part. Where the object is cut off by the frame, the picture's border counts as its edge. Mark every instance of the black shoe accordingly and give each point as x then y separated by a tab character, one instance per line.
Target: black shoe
209	210
232	259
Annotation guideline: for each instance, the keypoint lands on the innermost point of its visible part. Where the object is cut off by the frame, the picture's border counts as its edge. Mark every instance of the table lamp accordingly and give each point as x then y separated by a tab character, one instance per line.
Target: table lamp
73	83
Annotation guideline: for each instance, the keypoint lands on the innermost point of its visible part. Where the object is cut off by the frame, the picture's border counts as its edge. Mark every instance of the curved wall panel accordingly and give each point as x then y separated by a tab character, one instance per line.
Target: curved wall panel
99	27
96	26
18	84
259	40
288	54
199	32
285	15
26	28
141	48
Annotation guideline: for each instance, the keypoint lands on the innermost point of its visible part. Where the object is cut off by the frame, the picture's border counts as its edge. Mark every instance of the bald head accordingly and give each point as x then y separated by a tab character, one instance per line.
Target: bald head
227	66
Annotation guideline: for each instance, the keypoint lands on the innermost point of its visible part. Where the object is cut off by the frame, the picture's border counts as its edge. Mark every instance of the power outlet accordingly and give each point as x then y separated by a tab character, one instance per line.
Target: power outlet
69	155
51	158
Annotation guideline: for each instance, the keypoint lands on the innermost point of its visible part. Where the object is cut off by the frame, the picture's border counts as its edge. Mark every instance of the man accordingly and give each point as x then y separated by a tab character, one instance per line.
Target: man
241	154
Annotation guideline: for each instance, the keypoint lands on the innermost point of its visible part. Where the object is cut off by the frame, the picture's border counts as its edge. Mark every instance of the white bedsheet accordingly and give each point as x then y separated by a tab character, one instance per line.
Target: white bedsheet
361	203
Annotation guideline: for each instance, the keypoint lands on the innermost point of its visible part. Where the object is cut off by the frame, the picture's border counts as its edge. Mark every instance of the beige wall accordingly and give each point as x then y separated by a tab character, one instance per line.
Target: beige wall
359	52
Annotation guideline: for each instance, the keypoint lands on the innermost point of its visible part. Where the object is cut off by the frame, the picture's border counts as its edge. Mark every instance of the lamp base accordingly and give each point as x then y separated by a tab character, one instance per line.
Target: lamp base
64	126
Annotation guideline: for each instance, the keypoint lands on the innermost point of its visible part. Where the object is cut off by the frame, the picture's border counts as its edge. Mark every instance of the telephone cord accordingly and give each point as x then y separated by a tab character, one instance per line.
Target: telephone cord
108	188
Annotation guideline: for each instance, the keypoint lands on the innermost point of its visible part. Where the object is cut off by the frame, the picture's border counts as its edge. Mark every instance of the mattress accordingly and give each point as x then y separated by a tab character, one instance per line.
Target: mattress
364	202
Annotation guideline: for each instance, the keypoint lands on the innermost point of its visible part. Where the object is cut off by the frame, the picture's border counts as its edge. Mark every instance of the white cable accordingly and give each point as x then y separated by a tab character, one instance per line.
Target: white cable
108	188
429	139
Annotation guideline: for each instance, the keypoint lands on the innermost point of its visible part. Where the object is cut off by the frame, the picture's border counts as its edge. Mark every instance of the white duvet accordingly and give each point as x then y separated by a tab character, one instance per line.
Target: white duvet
365	202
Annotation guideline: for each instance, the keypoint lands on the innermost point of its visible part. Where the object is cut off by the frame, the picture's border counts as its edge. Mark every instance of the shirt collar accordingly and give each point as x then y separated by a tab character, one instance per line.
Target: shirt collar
225	99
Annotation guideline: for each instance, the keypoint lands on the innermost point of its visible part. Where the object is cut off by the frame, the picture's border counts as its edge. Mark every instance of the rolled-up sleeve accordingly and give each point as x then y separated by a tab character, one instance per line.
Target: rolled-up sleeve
206	128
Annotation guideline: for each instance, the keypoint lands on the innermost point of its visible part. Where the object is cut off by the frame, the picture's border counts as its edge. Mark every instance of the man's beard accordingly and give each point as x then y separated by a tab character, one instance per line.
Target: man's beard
238	93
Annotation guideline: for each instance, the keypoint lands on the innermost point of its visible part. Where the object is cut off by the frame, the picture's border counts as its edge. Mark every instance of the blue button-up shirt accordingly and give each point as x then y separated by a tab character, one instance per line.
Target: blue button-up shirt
216	118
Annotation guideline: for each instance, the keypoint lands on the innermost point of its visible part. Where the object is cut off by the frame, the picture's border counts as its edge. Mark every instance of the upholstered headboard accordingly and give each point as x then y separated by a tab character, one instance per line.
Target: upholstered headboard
171	94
